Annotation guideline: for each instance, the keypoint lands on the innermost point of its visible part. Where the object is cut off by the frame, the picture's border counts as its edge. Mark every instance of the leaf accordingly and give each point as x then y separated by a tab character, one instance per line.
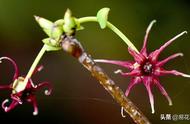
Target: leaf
56	32
102	17
45	24
51	48
51	44
53	30
70	23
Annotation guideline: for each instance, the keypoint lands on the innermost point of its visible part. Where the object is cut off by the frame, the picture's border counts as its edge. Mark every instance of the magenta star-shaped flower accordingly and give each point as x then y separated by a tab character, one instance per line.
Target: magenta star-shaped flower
19	95
147	68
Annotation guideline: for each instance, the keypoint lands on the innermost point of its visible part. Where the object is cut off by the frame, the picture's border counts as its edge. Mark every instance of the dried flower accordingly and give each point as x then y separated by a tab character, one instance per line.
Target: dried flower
146	68
20	93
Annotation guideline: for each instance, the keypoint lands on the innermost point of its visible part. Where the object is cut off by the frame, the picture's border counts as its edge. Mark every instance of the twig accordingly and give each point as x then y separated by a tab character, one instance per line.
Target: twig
72	46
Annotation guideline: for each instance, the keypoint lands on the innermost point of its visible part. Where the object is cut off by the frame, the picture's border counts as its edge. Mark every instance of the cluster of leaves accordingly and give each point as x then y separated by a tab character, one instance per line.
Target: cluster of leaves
66	26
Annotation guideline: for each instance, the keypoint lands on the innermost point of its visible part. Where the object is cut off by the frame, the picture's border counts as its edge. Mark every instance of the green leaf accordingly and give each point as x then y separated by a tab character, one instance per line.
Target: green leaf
102	17
70	23
56	31
45	24
51	42
53	30
51	48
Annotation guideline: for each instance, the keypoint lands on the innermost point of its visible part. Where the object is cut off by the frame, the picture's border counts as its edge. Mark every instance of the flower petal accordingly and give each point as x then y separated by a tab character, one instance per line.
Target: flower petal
163	91
135	72
32	99
43	84
144	50
38	69
148	82
125	64
14	64
161	63
163	72
139	58
7	87
154	55
10	107
133	82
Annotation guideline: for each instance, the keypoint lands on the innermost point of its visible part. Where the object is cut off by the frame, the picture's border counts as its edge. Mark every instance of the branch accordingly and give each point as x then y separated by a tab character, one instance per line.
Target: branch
72	46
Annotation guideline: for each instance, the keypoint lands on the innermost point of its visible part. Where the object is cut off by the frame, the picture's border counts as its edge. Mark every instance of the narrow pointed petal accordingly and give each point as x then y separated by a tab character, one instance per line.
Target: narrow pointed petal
148	82
163	91
16	97
161	63
144	49
133	82
44	84
126	64
163	72
4	102
34	103
139	58
154	55
6	87
10	107
14	64
170	41
136	72
151	98
38	69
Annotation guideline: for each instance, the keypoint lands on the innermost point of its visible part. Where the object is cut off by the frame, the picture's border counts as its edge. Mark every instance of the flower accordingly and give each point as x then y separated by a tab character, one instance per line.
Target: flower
19	95
146	68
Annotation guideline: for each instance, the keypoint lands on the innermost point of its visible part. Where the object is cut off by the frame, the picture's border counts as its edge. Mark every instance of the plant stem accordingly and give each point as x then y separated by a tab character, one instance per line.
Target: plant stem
113	28
72	46
35	63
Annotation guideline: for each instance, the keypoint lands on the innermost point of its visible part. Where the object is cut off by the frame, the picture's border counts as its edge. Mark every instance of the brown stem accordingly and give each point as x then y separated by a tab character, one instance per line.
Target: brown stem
72	46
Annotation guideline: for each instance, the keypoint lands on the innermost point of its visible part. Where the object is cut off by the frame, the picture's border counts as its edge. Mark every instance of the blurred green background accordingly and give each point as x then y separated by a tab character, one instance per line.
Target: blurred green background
77	97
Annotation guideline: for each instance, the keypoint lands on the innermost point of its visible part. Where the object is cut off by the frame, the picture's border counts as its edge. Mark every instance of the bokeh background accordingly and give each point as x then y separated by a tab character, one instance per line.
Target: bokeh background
77	97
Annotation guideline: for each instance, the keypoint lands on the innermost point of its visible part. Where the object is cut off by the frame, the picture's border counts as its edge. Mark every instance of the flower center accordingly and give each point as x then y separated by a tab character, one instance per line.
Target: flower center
147	68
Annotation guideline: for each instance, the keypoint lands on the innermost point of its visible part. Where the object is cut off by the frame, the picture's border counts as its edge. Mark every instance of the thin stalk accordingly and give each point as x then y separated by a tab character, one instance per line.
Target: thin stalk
35	63
112	27
73	47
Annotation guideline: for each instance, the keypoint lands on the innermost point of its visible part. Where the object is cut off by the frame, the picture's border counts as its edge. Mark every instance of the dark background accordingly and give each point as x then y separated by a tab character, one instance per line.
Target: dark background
77	97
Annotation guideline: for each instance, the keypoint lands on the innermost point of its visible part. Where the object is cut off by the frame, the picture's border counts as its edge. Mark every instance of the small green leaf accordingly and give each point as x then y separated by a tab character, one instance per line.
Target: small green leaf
56	31
59	22
53	30
70	23
102	17
51	42
51	48
45	24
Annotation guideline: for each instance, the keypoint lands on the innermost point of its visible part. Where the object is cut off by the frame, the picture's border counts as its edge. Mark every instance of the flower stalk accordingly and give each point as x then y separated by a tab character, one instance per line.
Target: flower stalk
34	65
111	27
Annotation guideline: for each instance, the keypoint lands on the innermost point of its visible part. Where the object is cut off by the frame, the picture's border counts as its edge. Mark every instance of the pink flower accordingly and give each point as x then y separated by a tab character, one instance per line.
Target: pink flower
146	68
19	96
